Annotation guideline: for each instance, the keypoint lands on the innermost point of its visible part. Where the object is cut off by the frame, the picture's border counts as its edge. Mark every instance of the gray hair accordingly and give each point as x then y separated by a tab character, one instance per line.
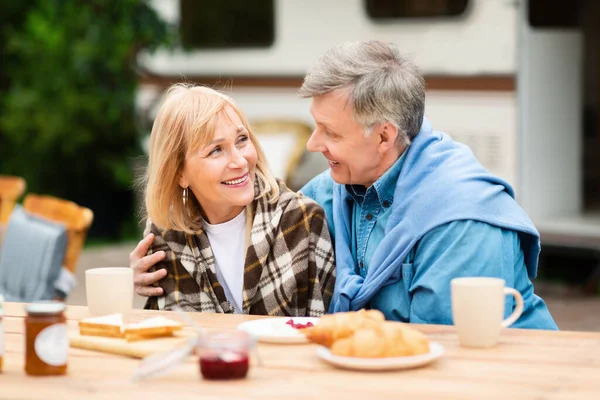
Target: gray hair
384	85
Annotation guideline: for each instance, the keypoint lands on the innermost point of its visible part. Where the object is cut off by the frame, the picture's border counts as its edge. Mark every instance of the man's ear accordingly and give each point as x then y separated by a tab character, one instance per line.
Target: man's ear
388	133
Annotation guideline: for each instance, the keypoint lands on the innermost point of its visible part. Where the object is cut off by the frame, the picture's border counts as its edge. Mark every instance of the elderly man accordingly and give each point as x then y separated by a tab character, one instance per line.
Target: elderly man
409	208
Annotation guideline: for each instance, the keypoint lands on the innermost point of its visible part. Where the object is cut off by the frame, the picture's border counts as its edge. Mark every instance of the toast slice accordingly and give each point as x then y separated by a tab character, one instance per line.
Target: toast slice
151	328
112	326
107	326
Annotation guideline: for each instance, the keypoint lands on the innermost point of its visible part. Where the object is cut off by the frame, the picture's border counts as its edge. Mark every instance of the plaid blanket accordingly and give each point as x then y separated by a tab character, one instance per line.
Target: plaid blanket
289	266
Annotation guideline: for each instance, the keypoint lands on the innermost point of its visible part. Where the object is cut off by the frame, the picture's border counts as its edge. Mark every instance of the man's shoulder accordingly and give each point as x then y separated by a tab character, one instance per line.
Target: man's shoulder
320	187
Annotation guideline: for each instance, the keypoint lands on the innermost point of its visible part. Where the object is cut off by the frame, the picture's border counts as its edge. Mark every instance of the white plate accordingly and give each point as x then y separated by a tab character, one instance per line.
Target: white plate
275	330
436	350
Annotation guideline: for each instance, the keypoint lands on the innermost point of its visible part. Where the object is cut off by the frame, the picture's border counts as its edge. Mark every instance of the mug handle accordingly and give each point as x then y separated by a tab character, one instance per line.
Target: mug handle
512	318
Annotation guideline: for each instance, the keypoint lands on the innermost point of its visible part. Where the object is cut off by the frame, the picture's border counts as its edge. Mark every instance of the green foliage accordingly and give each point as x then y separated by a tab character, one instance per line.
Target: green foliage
67	112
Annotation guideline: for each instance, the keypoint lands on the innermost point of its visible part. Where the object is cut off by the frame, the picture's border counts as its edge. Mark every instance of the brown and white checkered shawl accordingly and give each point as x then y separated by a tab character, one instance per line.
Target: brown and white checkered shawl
289	267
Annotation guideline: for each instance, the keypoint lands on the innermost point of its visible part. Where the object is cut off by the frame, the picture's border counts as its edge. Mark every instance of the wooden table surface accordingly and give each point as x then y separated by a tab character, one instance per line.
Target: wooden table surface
526	364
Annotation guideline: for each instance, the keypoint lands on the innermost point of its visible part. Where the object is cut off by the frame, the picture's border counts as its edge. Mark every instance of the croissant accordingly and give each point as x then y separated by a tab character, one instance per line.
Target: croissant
337	326
390	339
367	334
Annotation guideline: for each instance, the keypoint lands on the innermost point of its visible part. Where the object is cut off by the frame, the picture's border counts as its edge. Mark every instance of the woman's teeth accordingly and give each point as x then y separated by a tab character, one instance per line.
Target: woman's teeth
236	181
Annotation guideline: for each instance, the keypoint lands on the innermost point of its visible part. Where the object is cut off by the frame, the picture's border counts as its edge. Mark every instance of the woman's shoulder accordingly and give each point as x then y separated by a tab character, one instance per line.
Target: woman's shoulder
294	213
169	237
290	200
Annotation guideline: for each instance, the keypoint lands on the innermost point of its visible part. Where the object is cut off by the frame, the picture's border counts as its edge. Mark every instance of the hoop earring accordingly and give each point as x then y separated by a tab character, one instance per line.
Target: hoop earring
185	197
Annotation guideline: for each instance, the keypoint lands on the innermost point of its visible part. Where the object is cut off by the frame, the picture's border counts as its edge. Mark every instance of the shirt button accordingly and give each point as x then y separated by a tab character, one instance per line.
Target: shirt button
369	217
386	203
362	264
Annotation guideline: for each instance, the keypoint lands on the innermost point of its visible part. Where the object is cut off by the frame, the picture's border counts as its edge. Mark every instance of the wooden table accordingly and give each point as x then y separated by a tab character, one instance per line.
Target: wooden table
525	365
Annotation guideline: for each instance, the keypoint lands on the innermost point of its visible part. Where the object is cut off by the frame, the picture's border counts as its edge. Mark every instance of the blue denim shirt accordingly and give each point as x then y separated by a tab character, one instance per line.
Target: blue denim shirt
371	211
458	248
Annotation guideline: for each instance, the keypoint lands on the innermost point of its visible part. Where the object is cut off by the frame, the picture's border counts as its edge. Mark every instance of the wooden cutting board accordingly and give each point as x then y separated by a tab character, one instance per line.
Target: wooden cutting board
137	349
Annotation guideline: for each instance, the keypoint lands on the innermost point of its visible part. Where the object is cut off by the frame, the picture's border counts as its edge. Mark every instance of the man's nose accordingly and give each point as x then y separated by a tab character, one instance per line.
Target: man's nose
314	143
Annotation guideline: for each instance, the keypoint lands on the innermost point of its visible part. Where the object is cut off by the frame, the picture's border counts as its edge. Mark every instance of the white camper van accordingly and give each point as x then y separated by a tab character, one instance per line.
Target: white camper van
516	80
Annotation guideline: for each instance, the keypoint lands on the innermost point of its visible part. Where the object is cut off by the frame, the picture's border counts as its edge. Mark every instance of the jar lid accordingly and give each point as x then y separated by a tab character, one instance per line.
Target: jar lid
45	307
226	340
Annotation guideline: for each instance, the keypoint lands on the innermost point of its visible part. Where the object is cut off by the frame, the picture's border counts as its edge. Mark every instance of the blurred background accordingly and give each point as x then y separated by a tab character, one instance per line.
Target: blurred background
516	80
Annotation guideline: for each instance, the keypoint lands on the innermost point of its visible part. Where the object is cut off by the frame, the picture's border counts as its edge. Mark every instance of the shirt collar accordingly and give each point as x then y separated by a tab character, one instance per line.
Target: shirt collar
384	187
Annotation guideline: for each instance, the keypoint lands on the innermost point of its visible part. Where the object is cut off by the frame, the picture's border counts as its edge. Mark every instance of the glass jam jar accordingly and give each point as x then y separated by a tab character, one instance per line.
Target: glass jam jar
46	339
1	332
225	355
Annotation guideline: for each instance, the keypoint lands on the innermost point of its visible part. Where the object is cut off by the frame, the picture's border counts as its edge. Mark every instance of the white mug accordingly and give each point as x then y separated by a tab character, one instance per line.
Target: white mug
478	309
109	291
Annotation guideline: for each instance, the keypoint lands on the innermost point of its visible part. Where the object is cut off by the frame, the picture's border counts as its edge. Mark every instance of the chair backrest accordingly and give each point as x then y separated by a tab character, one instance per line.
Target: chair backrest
77	221
32	257
11	189
284	143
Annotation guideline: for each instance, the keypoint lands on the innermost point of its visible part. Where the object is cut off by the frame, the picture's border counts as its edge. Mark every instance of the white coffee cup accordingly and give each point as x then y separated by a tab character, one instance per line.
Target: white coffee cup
478	309
109	291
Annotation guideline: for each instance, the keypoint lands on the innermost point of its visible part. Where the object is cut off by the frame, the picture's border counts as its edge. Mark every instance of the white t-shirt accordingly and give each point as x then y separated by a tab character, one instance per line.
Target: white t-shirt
227	241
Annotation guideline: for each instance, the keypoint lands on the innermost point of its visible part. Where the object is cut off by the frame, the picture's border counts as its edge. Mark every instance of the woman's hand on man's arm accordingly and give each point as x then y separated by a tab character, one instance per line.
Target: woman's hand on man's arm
141	263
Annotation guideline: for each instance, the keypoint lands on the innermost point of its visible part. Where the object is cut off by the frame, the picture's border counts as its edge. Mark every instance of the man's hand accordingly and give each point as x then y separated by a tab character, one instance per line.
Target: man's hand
140	263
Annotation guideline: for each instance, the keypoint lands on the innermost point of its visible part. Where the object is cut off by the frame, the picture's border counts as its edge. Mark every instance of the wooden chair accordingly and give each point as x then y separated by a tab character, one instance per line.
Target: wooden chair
11	189
284	143
77	221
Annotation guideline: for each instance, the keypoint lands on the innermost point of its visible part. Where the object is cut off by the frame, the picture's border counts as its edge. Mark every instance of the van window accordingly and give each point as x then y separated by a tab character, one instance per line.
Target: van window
554	13
206	24
389	9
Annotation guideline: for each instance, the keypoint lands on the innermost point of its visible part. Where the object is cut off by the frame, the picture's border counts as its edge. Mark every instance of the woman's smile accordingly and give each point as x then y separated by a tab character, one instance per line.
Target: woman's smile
237	182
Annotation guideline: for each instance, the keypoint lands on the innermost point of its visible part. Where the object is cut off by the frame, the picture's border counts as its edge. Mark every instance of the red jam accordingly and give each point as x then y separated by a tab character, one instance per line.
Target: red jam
299	325
227	365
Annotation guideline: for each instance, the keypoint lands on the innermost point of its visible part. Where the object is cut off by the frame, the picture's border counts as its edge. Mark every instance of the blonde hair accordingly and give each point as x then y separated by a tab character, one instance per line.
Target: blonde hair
186	122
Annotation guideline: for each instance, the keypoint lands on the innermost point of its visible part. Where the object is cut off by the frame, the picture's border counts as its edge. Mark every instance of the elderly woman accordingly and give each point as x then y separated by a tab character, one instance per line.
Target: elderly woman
230	237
